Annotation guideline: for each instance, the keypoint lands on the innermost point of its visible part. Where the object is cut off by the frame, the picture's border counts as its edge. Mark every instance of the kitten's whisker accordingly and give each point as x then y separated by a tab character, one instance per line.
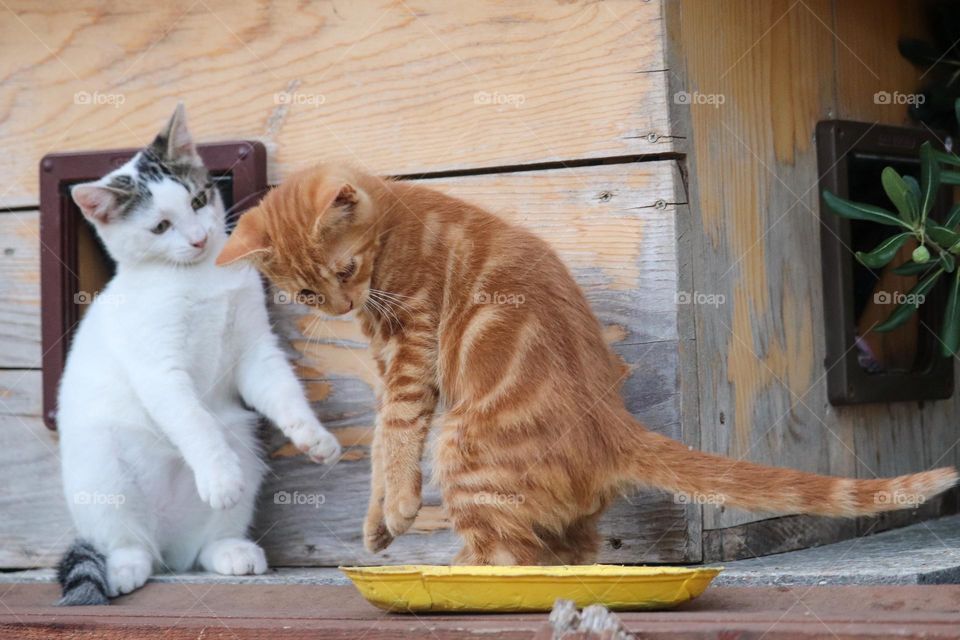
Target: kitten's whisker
385	297
384	312
385	303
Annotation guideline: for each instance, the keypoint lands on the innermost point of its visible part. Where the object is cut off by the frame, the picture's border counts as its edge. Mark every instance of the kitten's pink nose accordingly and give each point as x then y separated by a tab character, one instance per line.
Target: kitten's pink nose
200	244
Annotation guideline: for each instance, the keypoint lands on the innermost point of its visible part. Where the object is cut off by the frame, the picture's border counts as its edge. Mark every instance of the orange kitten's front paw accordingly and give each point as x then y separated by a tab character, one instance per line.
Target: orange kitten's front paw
400	513
376	537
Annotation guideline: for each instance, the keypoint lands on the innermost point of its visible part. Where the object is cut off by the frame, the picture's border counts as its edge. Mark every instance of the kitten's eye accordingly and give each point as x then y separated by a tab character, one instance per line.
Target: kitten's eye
162	226
344	274
199	201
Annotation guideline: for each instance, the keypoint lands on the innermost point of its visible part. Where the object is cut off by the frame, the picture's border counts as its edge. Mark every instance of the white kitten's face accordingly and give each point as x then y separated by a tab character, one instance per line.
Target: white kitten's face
161	206
167	222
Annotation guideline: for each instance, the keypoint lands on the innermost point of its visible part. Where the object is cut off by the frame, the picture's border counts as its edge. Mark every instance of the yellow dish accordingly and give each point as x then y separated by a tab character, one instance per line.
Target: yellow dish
505	589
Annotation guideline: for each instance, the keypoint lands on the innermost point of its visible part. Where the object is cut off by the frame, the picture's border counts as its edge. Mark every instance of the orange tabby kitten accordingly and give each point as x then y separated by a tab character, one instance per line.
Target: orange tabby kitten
465	309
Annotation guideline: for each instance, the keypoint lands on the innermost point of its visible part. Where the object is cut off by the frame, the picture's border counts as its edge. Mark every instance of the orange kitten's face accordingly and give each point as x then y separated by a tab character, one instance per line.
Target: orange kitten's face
334	278
313	238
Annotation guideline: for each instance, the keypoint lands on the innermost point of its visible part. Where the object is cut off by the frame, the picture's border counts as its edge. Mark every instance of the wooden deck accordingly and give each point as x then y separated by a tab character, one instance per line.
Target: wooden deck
297	611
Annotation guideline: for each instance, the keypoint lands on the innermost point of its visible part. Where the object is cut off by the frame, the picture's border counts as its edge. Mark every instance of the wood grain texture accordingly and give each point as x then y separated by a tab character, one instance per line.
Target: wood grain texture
400	86
19	290
35	527
302	611
781	67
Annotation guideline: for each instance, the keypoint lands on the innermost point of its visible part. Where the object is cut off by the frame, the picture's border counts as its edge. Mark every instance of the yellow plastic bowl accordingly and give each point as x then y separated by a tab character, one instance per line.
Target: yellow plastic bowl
510	589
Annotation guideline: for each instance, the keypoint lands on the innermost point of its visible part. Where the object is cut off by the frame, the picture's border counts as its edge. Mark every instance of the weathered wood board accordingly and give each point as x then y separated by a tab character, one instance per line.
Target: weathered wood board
778	69
398	86
19	290
34	524
614	225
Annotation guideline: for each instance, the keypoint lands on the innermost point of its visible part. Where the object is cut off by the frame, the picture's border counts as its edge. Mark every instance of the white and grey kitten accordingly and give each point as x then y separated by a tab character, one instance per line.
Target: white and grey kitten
160	457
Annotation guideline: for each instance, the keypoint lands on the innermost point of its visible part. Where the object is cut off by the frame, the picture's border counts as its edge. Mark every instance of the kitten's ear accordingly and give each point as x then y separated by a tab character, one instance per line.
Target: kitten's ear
97	202
341	203
174	142
248	241
346	198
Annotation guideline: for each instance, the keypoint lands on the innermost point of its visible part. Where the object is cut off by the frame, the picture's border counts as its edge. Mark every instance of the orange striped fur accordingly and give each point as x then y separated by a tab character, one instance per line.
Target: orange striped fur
468	311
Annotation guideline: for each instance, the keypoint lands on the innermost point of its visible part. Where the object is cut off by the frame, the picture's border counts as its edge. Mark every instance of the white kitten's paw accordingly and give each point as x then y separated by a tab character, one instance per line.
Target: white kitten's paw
236	557
220	482
315	441
127	569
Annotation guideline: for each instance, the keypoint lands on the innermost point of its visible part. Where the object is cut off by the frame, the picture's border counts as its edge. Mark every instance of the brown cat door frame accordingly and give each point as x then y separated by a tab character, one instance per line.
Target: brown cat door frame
73	265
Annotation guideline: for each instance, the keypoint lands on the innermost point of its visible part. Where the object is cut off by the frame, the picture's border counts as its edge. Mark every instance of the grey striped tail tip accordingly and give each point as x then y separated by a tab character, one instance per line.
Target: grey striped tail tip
82	574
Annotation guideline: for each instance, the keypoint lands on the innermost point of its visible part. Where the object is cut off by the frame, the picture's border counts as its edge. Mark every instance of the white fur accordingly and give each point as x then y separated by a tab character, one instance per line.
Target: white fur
160	456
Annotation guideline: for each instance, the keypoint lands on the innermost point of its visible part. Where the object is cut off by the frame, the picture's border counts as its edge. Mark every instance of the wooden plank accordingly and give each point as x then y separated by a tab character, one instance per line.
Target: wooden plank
780	68
903	437
180	611
19	290
35	527
752	175
400	86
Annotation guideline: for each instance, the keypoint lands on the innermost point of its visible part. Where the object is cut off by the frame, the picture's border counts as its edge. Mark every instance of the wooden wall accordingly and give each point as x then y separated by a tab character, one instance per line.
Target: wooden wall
768	71
553	114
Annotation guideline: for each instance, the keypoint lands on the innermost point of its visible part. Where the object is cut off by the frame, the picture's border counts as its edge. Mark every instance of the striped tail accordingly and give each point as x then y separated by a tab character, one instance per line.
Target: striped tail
703	478
82	574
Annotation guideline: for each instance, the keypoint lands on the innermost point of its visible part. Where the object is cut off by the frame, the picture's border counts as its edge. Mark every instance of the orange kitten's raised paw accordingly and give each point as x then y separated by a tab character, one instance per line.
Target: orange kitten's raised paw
400	513
376	537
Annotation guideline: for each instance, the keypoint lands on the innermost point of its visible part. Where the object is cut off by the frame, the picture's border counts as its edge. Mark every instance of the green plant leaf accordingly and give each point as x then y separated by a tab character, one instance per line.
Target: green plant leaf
948	262
911	268
941	235
953	217
860	211
900	195
950	333
946	158
914	187
929	179
950	177
914	298
884	252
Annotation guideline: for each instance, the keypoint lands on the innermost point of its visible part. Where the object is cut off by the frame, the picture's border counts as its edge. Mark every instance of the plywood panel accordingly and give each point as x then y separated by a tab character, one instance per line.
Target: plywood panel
757	347
779	67
399	86
19	290
896	438
34	526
